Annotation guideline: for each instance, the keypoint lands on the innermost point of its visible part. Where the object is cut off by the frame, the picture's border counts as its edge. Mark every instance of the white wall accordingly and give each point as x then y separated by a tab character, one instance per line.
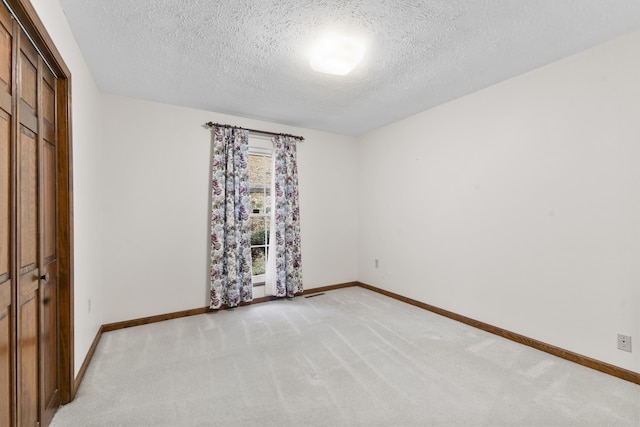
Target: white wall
518	205
87	180
156	184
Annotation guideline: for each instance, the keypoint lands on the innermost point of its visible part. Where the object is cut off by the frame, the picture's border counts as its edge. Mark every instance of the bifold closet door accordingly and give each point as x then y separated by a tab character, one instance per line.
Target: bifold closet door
29	302
29	273
49	301
7	347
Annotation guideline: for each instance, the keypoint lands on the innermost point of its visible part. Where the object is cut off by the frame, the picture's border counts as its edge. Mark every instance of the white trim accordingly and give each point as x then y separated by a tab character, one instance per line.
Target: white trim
260	278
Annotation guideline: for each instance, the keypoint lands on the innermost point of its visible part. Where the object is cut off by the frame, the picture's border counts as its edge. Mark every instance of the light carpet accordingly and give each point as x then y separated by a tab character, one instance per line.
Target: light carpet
350	357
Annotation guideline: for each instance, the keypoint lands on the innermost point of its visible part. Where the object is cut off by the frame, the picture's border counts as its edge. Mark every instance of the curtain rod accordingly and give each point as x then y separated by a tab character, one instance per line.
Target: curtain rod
261	132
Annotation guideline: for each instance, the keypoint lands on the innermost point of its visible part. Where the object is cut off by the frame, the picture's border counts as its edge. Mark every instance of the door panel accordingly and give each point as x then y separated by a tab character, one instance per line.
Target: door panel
5	144
6	350
49	343
5	192
28	281
28	204
28	319
28	87
50	399
29	77
6	347
49	200
6	285
30	297
6	49
28	350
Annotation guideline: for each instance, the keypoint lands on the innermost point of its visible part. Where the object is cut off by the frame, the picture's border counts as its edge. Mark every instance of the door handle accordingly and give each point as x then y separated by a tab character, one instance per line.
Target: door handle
45	277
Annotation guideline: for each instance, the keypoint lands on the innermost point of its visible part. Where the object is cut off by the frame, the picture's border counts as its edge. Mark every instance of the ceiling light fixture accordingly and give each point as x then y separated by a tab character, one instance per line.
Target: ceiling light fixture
334	54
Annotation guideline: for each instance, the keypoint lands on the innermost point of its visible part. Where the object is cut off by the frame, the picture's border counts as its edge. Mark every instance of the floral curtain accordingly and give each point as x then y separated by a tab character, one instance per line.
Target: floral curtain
284	271
230	274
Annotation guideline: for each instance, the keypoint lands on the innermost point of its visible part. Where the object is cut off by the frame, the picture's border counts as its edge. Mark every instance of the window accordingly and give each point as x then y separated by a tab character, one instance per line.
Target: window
260	164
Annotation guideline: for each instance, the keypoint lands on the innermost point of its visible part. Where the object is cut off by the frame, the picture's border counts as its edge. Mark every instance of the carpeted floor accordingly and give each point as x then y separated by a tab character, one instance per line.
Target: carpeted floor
350	357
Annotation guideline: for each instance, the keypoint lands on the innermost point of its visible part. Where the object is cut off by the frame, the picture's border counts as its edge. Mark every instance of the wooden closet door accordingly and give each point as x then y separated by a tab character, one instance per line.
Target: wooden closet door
29	294
36	373
6	196
28	289
48	248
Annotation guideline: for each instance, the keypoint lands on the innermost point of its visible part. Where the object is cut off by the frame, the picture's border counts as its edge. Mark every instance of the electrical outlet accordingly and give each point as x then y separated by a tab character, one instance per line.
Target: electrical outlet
624	342
377	263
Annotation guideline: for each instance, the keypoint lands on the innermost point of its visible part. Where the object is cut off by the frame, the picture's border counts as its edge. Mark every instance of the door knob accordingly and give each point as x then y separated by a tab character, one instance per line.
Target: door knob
45	277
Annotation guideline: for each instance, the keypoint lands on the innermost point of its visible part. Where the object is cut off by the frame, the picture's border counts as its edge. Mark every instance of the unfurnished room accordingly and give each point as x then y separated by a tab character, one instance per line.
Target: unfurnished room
319	213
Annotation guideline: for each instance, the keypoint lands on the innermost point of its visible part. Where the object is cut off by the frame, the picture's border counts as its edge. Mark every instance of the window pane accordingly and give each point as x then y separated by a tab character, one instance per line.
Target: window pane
257	200
267	202
267	168
260	182
259	172
258	261
254	167
257	230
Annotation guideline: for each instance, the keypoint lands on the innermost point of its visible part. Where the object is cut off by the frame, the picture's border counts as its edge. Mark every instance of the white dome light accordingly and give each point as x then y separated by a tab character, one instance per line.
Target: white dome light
334	54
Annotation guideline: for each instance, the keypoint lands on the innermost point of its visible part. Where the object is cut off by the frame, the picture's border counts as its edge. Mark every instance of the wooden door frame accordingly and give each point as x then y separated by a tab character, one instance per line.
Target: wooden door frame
33	26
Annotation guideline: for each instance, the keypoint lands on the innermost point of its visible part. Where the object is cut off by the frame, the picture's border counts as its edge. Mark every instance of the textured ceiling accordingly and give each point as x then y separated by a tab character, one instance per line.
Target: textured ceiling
250	58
